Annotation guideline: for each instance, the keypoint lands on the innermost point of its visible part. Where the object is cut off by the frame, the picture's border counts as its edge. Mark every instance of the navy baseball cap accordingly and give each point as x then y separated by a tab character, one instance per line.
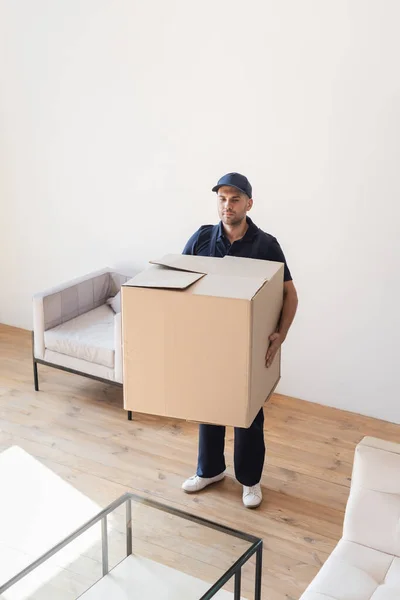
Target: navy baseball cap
237	181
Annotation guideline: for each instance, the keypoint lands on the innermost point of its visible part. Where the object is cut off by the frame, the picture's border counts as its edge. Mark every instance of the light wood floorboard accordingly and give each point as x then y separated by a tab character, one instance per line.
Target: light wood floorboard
78	428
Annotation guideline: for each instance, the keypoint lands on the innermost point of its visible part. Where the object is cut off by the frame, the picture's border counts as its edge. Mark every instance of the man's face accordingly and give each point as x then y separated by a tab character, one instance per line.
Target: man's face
232	205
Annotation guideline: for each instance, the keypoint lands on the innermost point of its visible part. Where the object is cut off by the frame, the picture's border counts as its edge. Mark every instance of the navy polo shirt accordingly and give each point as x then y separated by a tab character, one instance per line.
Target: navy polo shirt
210	240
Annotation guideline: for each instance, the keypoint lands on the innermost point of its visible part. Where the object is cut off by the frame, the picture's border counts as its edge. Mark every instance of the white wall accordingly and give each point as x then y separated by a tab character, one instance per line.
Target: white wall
117	117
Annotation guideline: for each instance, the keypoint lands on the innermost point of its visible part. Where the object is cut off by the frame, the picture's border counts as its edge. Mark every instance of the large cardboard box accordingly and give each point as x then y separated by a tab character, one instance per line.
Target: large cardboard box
195	335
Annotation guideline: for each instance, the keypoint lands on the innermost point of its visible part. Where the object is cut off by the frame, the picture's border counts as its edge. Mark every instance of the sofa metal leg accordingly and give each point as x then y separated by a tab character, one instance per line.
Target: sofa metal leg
129	415
35	375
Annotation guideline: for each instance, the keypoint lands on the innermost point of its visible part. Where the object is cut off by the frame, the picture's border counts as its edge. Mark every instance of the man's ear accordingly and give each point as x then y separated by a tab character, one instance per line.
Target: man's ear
249	203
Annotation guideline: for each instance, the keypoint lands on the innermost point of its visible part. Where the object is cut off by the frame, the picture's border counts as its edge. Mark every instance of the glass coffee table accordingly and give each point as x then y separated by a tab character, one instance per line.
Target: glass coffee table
138	548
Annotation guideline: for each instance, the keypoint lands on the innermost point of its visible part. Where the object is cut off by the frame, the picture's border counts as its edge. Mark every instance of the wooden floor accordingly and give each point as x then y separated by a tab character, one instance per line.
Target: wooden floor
78	428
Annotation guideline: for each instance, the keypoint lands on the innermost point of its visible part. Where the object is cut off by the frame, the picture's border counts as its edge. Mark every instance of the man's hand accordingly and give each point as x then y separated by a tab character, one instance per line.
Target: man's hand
276	340
288	311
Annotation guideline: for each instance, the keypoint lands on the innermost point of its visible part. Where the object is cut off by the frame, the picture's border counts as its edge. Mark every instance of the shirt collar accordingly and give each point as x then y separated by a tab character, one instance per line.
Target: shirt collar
248	236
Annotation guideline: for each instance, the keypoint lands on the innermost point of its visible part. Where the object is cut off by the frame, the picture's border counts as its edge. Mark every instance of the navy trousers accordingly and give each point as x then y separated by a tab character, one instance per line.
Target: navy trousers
249	451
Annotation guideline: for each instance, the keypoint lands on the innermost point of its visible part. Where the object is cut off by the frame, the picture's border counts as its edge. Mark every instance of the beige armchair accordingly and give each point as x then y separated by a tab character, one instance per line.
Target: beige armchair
365	565
77	327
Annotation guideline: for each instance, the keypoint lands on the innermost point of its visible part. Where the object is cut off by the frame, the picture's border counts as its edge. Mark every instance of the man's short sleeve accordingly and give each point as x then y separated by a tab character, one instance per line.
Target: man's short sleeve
199	243
275	253
190	247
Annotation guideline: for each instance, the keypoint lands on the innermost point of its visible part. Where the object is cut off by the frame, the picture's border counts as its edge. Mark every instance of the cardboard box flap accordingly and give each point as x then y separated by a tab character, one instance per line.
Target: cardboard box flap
185	262
243	267
229	265
239	288
164	278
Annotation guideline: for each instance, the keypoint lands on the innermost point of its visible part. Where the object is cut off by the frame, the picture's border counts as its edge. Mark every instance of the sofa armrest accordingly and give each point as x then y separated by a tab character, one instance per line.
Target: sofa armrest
67	301
118	366
38	327
378	444
373	507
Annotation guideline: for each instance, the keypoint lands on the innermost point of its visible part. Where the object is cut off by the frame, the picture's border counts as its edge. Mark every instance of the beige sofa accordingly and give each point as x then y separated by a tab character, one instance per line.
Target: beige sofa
77	327
365	565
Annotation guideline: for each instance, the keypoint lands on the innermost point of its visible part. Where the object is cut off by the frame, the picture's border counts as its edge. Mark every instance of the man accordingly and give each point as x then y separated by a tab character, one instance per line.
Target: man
237	235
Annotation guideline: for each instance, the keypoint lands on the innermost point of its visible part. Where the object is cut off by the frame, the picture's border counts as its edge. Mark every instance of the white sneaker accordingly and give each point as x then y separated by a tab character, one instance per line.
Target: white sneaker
196	483
252	495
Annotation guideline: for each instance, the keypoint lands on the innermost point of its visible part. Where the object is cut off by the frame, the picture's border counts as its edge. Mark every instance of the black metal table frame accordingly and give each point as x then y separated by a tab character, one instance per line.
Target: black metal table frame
234	571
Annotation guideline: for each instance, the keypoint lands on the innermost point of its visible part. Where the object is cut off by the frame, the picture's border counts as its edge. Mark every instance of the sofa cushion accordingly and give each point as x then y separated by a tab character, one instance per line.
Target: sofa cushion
375	492
89	337
355	572
392	580
115	302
